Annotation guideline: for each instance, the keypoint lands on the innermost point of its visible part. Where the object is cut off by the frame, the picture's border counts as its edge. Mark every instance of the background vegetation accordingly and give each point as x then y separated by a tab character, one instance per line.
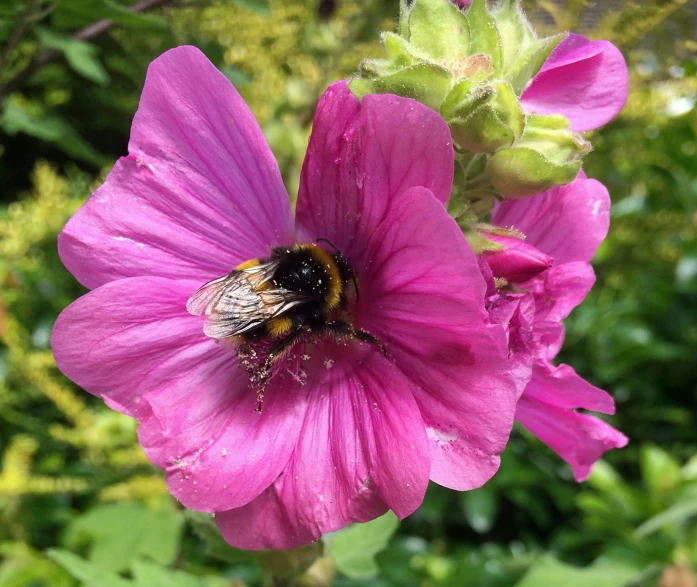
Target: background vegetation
80	504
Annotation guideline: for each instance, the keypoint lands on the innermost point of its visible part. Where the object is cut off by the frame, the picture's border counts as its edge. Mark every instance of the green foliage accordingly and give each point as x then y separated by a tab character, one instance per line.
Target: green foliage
79	502
353	549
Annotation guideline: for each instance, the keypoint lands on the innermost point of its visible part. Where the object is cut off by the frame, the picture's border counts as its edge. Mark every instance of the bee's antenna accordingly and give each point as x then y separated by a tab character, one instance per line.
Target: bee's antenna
353	276
331	244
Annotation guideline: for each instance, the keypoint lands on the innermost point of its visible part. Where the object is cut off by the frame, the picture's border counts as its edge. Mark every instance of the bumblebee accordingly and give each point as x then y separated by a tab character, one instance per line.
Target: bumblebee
267	306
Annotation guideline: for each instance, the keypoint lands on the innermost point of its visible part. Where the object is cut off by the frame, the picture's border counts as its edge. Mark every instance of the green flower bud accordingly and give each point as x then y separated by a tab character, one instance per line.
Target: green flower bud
547	155
523	54
483	118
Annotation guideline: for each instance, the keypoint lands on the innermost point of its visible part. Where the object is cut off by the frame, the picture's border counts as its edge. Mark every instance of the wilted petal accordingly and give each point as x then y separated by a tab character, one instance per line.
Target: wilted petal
579	439
133	343
558	291
568	223
516	313
362	450
362	156
423	297
585	81
199	193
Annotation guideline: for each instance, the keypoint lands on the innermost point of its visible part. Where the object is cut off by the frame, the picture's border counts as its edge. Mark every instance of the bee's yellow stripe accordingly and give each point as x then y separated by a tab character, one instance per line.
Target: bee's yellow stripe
336	287
248	264
279	326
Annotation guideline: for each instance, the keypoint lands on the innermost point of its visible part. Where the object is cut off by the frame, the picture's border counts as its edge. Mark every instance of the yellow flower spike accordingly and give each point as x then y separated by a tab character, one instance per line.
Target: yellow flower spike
141	487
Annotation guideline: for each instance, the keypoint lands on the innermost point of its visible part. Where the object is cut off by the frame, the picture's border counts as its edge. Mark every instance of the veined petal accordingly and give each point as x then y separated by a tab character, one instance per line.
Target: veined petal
362	450
362	156
558	291
585	81
579	439
563	388
199	193
132	343
516	313
568	223
423	297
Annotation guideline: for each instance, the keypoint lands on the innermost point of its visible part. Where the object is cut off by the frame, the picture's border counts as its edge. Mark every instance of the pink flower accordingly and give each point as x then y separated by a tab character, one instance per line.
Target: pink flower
359	433
585	81
568	224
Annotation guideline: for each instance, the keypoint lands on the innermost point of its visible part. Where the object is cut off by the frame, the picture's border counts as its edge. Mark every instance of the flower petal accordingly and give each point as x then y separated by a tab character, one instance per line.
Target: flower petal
362	450
579	439
133	343
363	155
563	388
516	312
558	291
568	223
585	81
199	193
423	297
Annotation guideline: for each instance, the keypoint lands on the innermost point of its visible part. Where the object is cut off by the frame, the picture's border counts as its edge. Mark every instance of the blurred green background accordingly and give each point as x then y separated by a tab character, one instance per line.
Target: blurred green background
80	504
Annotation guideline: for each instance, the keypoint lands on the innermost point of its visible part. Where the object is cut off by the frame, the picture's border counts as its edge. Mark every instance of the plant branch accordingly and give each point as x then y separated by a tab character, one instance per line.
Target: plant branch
90	32
18	33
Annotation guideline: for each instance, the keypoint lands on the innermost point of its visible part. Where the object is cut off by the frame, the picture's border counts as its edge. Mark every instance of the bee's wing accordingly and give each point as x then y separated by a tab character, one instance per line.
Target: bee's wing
239	302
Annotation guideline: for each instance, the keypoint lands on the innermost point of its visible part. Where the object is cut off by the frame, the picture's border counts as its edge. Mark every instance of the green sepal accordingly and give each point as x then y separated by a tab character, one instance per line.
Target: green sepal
530	60
401	52
550	135
482	132
464	97
479	243
440	29
484	34
472	195
485	118
361	87
520	172
424	82
516	32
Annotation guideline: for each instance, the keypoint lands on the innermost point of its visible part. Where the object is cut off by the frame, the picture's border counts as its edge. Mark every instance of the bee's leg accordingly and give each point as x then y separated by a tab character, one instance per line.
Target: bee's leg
277	351
344	331
364	336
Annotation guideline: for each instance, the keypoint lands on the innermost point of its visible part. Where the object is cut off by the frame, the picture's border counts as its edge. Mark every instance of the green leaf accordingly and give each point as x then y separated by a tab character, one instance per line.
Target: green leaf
148	574
24	566
481	505
81	56
205	527
661	472
259	6
484	35
121	533
549	571
238	77
52	129
679	513
89	573
70	14
438	28
353	549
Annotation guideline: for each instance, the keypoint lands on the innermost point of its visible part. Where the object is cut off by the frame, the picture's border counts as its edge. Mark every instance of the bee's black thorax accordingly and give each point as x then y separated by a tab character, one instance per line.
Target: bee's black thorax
299	271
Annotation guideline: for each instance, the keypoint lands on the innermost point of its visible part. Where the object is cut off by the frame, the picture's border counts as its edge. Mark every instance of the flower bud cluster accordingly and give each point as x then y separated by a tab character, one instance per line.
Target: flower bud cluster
472	67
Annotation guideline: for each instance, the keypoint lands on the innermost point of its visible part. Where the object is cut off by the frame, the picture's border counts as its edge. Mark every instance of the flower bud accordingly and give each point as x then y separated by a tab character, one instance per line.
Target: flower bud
516	261
483	118
547	155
